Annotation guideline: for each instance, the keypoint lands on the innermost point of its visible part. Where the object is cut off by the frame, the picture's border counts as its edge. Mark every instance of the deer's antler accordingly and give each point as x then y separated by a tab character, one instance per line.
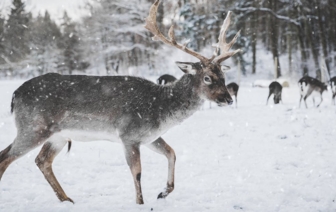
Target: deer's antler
222	45
152	27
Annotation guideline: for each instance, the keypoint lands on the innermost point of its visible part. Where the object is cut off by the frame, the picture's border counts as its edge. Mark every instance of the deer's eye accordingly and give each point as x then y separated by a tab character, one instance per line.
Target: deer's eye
207	80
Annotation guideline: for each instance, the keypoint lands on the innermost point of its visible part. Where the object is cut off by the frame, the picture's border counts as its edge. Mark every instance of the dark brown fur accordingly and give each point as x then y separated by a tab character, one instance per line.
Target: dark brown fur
233	90
275	88
165	79
308	85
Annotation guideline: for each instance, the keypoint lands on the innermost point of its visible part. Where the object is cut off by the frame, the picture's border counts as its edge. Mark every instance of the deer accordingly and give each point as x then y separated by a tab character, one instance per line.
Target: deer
275	88
333	88
309	85
53	109
165	79
233	90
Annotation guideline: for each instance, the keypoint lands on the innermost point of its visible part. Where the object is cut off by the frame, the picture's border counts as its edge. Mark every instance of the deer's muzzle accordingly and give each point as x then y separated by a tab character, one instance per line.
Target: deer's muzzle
224	99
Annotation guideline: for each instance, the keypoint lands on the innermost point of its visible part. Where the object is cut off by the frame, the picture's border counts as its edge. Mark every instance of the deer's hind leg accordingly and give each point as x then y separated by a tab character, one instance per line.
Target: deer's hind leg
24	142
161	147
309	92
44	161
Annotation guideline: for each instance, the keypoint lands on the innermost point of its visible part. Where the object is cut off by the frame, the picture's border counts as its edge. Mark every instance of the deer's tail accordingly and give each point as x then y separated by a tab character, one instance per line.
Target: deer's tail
69	145
12	103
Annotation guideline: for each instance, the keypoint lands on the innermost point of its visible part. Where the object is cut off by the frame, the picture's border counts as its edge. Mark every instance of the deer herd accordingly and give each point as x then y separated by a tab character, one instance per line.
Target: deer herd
53	109
308	86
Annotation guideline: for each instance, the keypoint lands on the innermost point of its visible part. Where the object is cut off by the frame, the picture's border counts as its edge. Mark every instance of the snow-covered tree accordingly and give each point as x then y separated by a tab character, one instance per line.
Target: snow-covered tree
45	37
115	35
16	29
70	45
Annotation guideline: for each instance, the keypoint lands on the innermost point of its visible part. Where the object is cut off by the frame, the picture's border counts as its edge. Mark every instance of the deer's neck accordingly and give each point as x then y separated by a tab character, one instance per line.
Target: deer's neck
182	98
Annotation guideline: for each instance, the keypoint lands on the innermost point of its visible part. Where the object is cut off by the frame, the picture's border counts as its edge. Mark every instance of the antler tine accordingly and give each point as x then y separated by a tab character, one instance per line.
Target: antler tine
153	28
171	34
222	45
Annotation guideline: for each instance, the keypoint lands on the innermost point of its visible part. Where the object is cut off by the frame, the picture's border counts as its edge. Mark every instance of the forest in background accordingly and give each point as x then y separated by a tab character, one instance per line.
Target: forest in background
111	39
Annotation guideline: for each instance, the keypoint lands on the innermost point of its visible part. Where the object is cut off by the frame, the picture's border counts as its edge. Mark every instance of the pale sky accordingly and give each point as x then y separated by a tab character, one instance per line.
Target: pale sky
55	7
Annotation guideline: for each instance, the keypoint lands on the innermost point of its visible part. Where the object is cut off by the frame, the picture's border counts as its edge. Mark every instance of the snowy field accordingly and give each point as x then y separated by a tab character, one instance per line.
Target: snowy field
253	158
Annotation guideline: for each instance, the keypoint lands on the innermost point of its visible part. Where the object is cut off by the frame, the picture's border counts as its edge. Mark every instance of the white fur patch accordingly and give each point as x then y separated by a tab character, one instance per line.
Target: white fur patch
83	135
303	89
186	67
333	87
225	68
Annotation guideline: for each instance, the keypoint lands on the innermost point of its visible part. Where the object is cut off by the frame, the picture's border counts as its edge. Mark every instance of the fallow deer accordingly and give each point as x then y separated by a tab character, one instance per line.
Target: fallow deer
165	79
333	88
233	90
52	108
275	88
309	85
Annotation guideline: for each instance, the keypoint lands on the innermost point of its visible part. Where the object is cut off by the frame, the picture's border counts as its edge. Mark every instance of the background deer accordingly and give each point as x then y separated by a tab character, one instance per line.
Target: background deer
333	88
52	109
309	85
165	79
233	90
276	89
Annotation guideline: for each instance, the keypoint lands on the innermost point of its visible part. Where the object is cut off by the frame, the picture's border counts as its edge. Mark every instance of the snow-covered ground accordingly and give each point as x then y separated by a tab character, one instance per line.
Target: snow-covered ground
253	158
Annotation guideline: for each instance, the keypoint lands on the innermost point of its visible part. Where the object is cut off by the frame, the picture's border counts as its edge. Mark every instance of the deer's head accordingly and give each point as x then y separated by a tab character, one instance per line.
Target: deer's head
209	71
277	97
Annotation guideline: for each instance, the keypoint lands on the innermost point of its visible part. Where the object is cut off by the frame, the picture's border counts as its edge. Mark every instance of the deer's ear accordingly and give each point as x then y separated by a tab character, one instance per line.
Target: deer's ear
186	67
225	68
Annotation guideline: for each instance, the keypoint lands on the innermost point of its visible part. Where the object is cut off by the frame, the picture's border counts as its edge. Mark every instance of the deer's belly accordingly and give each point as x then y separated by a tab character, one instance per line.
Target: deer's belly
316	94
87	135
123	131
136	136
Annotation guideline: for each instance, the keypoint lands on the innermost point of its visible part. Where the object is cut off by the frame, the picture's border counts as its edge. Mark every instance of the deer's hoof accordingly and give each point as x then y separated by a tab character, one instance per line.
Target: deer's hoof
162	195
68	199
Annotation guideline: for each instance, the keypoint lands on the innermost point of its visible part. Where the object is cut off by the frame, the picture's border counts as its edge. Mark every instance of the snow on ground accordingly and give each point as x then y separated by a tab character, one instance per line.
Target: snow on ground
253	158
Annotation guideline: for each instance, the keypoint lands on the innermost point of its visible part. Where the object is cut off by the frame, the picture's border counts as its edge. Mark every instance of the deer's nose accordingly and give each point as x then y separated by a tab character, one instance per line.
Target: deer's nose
225	98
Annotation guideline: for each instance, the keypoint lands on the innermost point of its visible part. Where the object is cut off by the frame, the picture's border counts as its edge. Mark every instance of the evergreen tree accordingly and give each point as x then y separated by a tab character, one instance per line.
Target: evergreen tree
15	34
45	37
70	45
115	36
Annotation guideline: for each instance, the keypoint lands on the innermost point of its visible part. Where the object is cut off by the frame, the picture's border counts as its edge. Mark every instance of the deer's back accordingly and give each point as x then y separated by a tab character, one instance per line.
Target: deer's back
275	87
310	83
56	92
232	88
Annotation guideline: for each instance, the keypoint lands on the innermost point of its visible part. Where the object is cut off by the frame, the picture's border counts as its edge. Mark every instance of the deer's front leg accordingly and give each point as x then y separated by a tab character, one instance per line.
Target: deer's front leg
132	154
161	147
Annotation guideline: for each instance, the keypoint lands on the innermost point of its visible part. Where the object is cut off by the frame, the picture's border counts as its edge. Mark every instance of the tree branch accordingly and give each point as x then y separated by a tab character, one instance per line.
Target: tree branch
266	10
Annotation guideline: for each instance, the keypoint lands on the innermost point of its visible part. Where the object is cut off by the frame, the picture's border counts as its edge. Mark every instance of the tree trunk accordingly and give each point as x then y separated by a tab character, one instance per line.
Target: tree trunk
304	55
301	37
275	37
254	27
323	37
